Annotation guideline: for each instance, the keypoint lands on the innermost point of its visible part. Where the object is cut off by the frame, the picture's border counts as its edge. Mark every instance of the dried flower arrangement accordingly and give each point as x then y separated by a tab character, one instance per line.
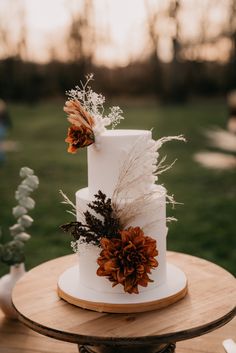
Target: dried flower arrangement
12	252
93	229
127	253
85	110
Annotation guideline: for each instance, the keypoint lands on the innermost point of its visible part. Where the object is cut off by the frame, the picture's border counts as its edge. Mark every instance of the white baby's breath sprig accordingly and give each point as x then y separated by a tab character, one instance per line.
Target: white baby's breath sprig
93	103
115	116
74	246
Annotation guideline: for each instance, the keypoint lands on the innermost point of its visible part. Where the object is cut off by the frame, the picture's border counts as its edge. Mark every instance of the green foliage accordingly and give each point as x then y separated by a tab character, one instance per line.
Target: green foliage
206	220
12	252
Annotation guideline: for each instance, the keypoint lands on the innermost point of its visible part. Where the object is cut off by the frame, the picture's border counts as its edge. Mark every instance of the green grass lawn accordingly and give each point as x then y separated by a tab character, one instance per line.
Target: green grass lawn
206	220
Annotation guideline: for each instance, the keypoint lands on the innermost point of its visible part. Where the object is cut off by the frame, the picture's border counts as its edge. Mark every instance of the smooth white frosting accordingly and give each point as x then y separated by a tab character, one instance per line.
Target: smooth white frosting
105	158
88	254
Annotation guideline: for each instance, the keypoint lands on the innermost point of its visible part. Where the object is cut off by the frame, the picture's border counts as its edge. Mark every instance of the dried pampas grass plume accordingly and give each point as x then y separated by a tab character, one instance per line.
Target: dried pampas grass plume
77	115
139	170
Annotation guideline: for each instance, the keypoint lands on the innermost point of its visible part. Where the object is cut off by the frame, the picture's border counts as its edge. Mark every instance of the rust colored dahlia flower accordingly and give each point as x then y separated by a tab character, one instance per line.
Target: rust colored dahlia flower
128	260
79	136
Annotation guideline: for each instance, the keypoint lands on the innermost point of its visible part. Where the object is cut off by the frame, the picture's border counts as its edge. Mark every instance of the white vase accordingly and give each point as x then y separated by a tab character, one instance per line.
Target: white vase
7	284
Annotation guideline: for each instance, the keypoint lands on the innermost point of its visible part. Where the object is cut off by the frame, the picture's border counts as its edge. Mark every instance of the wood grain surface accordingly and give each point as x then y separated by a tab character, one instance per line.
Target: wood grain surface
209	304
18	338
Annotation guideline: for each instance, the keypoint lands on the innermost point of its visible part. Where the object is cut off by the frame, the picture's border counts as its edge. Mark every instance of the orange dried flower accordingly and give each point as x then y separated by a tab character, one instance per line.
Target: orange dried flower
128	260
79	136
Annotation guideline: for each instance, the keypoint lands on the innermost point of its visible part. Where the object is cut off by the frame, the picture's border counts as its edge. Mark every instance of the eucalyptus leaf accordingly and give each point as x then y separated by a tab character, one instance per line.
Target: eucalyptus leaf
31	181
27	202
25	221
15	229
23	236
19	211
25	171
12	253
24	190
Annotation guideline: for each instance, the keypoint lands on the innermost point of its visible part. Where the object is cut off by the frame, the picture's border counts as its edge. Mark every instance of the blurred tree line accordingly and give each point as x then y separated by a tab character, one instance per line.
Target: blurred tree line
188	72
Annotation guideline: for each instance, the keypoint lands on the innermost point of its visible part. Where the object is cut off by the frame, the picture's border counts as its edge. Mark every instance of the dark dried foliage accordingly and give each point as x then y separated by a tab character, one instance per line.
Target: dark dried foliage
104	226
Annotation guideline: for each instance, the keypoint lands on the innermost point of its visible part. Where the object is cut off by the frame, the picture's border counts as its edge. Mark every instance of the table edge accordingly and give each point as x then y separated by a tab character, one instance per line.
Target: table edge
119	341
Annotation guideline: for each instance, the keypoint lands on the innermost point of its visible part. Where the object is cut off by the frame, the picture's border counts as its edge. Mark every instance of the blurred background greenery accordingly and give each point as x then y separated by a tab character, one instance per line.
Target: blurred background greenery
169	65
206	220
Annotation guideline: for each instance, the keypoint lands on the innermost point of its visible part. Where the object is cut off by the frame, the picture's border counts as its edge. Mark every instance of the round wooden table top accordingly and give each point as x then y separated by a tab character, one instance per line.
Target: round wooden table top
209	304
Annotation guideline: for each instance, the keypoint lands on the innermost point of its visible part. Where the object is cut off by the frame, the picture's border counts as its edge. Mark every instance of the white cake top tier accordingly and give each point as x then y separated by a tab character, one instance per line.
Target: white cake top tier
106	157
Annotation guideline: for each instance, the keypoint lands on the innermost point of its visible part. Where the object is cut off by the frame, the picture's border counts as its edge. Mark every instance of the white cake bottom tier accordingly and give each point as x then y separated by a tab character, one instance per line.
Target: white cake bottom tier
153	224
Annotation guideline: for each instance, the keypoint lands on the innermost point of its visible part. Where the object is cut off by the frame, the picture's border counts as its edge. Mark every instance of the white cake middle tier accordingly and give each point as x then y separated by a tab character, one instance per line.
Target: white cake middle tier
153	224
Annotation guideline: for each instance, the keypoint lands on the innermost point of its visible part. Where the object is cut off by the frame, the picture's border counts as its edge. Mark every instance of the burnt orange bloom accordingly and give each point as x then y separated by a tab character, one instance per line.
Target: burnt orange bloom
128	260
79	136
